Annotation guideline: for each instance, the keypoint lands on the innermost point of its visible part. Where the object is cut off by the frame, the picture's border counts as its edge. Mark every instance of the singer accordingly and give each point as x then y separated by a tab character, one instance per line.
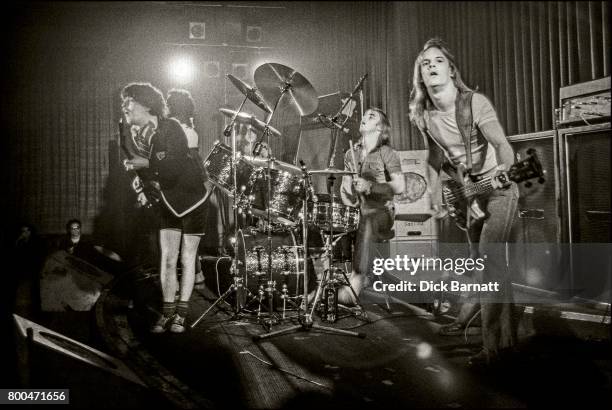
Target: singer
379	177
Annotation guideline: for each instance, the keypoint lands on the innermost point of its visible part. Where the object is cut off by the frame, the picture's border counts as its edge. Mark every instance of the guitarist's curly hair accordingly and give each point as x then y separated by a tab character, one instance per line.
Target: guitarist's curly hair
147	95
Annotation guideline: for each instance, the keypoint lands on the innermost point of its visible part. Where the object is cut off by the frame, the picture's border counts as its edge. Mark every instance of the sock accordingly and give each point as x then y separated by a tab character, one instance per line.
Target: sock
168	309
182	307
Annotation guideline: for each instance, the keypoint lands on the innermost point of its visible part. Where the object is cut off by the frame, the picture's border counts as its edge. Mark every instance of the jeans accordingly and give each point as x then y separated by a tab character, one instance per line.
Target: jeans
374	228
488	238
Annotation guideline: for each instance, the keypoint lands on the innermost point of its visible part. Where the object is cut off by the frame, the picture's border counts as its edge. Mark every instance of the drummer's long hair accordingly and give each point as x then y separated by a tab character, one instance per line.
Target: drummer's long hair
385	135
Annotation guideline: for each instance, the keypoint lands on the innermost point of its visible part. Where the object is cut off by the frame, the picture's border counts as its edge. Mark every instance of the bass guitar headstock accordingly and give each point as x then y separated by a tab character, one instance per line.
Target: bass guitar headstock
527	169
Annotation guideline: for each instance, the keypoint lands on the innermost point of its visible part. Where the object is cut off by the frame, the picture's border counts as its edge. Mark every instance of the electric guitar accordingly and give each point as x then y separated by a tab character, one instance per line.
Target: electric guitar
462	193
147	190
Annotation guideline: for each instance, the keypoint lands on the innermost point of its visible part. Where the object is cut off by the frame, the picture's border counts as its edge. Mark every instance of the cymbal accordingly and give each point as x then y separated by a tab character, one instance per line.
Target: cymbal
249	119
280	165
251	93
272	78
108	253
331	171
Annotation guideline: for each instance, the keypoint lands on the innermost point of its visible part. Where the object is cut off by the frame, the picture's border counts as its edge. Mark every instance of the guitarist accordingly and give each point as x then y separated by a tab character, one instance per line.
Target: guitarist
379	177
462	132
166	157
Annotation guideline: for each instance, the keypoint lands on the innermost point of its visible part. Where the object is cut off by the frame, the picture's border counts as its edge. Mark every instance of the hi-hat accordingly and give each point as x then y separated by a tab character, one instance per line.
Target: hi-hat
249	119
331	171
272	78
250	92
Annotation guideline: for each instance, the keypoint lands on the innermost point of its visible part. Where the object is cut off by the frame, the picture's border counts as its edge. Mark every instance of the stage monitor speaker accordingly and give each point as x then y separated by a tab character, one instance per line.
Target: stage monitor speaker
585	154
412	249
70	283
50	360
534	258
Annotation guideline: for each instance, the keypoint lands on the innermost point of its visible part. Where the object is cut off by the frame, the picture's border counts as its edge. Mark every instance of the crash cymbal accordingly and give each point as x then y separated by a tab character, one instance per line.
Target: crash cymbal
331	171
272	78
249	119
251	93
263	163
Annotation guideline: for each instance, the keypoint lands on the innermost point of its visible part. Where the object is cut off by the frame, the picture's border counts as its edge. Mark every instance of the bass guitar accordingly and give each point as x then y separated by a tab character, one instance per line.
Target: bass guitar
460	195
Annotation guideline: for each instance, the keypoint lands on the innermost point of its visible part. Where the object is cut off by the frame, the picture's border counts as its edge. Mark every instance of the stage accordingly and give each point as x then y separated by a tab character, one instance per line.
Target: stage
401	362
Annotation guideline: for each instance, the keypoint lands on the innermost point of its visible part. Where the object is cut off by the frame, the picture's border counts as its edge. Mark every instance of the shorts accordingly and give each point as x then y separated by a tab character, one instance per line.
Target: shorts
194	223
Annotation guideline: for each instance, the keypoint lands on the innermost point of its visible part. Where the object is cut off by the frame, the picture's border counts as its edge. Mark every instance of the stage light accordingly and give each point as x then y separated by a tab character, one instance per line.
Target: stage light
181	70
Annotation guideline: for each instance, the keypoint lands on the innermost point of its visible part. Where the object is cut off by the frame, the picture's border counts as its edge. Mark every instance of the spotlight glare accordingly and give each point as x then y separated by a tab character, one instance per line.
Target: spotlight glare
181	70
424	350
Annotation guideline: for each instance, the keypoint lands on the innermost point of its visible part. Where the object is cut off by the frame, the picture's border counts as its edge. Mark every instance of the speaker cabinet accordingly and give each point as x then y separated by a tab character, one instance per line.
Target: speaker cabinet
70	283
414	204
533	252
585	154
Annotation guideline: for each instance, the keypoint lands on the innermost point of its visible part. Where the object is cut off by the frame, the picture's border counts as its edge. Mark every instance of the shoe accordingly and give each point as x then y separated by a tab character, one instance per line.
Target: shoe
160	325
178	324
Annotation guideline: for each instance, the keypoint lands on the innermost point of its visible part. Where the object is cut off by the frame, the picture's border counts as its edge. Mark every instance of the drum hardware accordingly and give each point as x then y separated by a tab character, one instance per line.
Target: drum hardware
247	119
239	202
275	81
305	321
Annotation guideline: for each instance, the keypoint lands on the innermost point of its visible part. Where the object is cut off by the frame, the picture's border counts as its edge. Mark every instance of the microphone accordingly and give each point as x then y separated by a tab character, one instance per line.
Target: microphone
359	84
331	123
257	148
228	130
307	179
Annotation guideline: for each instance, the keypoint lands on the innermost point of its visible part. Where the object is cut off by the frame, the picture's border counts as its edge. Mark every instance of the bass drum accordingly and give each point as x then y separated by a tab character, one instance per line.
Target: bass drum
252	256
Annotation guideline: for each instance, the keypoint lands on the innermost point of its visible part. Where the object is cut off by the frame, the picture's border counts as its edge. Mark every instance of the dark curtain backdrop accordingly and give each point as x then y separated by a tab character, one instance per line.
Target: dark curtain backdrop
517	53
67	65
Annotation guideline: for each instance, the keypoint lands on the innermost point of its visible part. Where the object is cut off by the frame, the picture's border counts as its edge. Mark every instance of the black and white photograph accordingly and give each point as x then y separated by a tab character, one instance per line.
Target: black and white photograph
306	204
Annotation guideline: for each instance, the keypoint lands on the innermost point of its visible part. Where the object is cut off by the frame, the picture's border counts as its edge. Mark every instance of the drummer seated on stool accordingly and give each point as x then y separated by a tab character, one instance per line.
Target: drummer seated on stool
378	179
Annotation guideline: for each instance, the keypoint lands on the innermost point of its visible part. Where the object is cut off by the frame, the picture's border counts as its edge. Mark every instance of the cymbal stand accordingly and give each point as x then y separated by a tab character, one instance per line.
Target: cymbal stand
271	284
238	282
305	321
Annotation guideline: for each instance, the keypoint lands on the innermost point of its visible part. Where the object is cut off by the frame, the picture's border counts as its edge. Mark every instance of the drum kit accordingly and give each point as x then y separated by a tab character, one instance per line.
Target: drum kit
273	270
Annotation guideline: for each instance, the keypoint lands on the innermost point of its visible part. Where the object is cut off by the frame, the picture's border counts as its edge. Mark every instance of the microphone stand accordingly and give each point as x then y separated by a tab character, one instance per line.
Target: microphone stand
357	88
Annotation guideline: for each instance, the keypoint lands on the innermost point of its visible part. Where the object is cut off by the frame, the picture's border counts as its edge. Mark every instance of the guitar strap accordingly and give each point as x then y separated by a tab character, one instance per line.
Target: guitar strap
463	116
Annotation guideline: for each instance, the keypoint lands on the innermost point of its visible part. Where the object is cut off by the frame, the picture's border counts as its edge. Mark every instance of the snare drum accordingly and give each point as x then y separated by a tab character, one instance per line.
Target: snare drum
342	218
219	167
285	195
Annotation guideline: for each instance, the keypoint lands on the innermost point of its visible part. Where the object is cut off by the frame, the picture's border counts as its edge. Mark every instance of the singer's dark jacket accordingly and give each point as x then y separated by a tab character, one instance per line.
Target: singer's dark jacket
177	171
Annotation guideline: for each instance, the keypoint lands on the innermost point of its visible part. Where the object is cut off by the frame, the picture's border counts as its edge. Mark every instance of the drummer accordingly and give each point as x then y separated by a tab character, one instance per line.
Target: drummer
246	139
378	178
